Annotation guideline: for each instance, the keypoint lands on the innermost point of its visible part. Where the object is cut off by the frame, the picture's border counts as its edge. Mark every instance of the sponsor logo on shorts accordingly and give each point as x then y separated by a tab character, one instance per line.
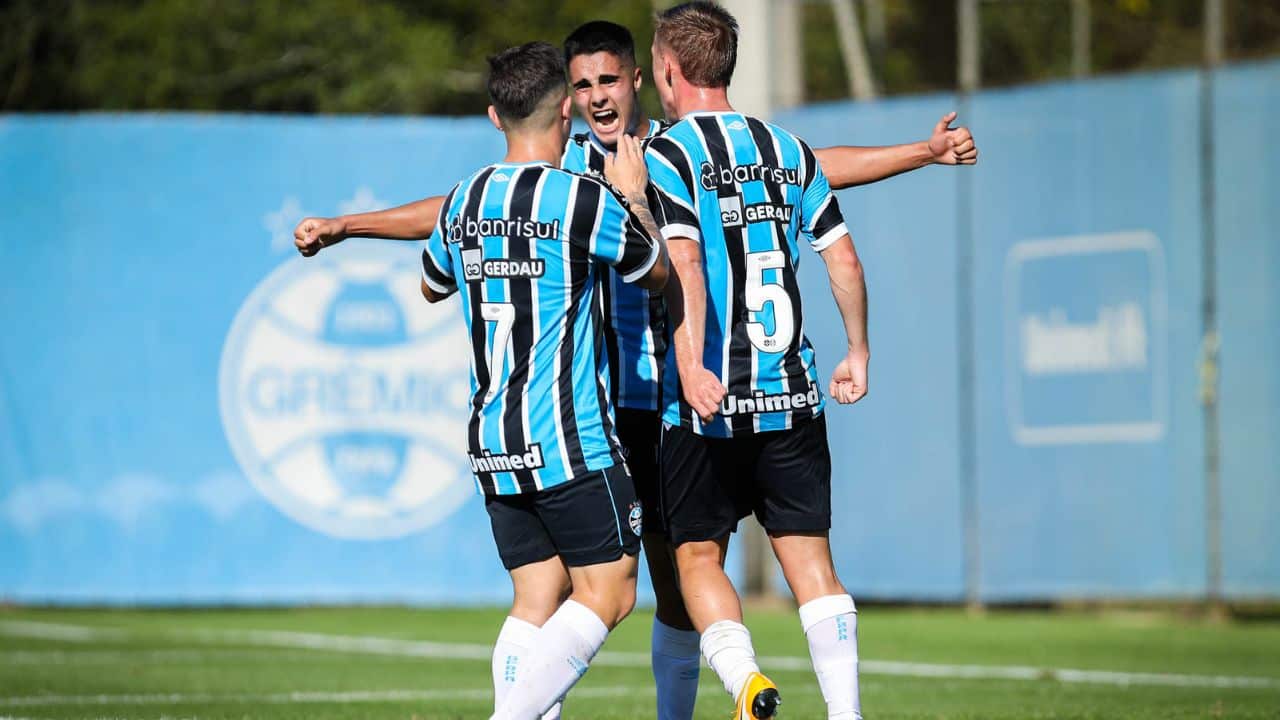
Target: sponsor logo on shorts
490	462
762	403
635	518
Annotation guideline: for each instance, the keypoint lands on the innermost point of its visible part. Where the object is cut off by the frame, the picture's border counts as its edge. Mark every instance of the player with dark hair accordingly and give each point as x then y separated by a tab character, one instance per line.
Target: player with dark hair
604	83
524	243
743	424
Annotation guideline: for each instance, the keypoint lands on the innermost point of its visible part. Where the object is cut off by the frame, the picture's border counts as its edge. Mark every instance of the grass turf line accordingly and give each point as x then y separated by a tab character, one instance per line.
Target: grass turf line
173	677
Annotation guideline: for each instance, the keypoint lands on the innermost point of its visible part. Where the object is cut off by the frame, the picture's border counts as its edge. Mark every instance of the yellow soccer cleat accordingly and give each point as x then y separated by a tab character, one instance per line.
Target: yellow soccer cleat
759	699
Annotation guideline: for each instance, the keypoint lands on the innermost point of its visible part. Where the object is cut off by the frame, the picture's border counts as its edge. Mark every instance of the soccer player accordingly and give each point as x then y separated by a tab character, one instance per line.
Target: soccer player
605	79
523	243
743	426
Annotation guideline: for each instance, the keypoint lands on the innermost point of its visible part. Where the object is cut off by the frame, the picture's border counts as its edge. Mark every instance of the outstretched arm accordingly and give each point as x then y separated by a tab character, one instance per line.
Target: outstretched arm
411	221
847	165
849	379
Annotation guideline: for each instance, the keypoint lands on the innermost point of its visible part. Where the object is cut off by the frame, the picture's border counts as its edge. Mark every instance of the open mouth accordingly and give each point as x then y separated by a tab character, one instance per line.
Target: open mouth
605	120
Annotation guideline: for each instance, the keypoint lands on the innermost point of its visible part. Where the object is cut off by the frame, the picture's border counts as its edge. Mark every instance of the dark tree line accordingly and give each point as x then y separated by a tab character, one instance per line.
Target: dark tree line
400	56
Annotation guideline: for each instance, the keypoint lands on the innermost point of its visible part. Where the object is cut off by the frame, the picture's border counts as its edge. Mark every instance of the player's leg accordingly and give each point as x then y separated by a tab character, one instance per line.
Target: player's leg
701	510
586	519
539	581
827	615
674	643
794	477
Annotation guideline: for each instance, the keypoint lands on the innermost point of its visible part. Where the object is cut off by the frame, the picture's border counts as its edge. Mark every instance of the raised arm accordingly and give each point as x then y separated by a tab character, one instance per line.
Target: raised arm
411	221
625	170
849	379
849	165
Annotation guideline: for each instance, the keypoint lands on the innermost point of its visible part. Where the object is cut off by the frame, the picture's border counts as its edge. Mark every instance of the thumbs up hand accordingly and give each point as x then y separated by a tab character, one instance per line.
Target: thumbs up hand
952	146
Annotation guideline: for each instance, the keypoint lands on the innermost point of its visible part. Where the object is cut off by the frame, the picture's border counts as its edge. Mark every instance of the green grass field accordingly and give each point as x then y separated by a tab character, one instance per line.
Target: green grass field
409	663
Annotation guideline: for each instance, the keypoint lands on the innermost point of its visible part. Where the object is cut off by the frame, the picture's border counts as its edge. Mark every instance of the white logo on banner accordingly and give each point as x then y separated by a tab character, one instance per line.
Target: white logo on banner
1084	315
344	394
1116	341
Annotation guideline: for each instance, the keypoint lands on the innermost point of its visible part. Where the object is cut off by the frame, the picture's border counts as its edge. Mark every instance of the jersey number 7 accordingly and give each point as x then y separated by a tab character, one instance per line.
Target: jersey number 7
504	315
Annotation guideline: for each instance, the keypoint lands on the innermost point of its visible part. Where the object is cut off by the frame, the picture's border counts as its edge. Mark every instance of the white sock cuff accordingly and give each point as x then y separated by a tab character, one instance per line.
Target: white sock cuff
824	608
714	634
517	631
582	620
673	642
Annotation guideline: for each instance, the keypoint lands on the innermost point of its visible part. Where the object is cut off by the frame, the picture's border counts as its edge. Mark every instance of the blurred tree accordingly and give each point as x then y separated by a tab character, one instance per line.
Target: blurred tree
409	56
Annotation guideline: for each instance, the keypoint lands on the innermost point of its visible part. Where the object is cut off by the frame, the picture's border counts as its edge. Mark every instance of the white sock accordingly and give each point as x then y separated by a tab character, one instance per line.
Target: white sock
514	641
511	647
560	653
675	658
727	647
831	626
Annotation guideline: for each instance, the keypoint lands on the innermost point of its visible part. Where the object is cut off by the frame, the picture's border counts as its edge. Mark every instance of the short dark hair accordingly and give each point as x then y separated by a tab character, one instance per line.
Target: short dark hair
521	77
703	37
600	36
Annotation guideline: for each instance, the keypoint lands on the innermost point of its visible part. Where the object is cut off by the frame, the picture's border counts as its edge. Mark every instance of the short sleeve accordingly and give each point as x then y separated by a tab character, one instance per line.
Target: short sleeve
620	240
820	217
671	181
437	264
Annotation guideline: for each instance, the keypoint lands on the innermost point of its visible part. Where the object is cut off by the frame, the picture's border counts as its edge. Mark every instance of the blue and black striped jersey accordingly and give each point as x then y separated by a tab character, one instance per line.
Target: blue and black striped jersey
635	319
526	244
747	191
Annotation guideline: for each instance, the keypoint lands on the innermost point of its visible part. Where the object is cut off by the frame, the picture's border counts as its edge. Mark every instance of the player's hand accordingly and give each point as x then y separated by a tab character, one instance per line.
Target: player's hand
625	170
849	380
703	391
313	234
952	146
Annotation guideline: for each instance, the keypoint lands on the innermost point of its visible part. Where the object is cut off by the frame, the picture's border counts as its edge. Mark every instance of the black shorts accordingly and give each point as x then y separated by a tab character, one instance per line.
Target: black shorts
709	484
638	431
588	520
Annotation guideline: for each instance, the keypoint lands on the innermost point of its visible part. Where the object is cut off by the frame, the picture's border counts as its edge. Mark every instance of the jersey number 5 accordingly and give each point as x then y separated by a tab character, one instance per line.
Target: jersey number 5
504	316
759	292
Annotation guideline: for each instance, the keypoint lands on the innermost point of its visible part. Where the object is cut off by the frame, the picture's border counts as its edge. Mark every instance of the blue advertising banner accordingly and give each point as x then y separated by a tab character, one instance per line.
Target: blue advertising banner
1087	298
192	413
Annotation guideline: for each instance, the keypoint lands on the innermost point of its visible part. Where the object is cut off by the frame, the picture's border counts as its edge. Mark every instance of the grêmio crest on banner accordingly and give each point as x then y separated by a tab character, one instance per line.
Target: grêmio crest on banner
344	396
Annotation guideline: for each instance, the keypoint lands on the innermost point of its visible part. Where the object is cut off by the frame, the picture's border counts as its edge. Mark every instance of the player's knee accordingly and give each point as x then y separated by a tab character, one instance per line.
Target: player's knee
537	603
692	555
611	603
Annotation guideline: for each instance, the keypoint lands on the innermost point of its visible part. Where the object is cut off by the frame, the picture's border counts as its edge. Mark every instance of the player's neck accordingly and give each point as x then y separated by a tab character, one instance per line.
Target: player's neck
544	147
690	98
640	125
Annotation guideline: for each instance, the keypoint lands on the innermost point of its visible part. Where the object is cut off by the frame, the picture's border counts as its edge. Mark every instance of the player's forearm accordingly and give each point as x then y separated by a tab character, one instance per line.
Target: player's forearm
411	221
848	165
659	276
849	287
686	295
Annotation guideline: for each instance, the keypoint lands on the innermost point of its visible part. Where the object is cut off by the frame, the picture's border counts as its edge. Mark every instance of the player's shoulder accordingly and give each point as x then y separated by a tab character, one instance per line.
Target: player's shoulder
781	134
591	181
674	142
